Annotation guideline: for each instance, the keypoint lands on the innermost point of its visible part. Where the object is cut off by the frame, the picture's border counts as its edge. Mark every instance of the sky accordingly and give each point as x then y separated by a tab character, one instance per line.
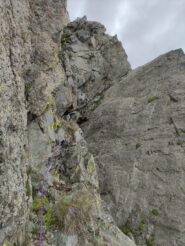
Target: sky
146	28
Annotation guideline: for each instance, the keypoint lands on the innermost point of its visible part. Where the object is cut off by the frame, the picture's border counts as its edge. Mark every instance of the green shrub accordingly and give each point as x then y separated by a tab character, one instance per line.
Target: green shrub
180	142
153	98
141	227
73	212
37	202
126	229
155	212
150	241
47	211
138	145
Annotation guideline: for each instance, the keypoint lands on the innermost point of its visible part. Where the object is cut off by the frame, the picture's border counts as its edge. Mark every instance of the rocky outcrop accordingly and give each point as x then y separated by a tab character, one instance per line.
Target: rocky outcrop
40	144
137	137
92	61
58	76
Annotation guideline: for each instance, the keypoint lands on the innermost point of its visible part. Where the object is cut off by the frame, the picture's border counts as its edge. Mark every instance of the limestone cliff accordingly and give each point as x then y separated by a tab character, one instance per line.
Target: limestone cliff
78	125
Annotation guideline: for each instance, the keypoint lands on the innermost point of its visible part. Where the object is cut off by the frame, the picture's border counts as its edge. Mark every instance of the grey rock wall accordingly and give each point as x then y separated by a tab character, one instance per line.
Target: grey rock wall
92	60
137	137
56	77
36	96
13	116
24	26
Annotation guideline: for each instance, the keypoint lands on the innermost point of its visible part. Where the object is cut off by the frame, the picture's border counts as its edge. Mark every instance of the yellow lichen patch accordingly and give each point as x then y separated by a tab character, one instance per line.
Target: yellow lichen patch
4	244
56	56
90	165
51	105
2	85
56	124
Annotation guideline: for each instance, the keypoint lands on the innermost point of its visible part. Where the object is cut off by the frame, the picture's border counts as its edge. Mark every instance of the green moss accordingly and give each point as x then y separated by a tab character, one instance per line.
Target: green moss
153	98
138	145
155	212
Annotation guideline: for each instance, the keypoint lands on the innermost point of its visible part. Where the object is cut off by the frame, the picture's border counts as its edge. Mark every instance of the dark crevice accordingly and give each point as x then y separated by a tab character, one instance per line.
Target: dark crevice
173	99
176	129
82	120
31	117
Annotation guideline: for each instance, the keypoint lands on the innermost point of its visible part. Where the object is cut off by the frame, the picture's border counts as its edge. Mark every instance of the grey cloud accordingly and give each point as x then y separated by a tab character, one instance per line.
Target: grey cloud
146	28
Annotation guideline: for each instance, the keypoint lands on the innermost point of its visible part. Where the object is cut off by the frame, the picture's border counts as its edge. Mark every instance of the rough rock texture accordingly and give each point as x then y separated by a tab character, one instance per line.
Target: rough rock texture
56	75
13	116
137	136
35	92
92	60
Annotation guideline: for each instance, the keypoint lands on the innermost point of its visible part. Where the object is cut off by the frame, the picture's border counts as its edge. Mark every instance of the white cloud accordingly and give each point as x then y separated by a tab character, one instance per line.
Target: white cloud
146	28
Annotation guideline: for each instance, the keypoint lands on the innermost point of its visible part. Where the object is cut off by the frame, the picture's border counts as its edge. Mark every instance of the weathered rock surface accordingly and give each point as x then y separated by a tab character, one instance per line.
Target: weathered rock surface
13	117
92	60
35	92
56	75
137	136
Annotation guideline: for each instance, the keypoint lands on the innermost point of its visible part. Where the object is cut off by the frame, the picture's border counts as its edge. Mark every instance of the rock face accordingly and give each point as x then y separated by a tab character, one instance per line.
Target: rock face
57	76
137	136
13	117
24	25
92	60
40	144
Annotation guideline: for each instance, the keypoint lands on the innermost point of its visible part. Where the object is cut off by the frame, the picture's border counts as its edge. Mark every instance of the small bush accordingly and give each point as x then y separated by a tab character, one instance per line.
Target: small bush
150	241
73	212
47	211
126	229
155	212
141	227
